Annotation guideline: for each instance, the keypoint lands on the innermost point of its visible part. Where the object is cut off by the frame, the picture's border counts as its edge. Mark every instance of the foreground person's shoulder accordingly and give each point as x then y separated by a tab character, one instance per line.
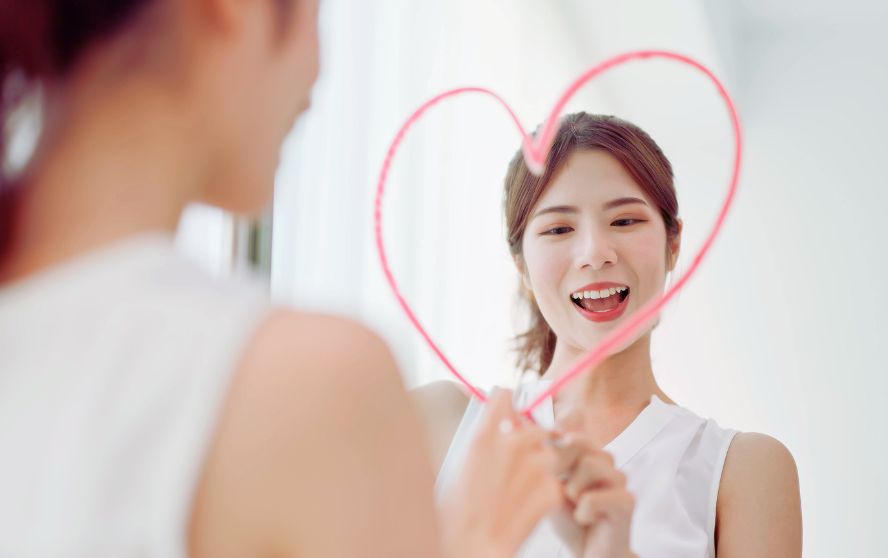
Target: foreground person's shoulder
316	435
289	339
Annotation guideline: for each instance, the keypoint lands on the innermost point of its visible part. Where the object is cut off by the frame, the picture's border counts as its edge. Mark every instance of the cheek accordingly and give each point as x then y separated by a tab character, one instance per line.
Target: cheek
648	260
546	266
302	59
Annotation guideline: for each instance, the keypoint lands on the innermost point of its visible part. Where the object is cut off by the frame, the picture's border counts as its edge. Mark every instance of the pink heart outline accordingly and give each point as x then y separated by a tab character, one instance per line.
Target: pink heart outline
535	154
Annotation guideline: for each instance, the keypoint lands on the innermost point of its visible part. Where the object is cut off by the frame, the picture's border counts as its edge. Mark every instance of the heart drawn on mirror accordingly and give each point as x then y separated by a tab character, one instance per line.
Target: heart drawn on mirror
535	152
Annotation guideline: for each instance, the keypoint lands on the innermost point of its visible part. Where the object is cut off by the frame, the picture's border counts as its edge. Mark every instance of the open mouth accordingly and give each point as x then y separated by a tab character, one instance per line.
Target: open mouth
601	304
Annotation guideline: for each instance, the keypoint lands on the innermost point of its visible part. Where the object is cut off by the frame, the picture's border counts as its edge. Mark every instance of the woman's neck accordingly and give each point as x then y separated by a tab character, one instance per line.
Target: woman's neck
622	383
122	165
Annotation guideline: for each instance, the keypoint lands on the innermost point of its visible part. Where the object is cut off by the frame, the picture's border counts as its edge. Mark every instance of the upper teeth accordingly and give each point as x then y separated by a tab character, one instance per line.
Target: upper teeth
603	293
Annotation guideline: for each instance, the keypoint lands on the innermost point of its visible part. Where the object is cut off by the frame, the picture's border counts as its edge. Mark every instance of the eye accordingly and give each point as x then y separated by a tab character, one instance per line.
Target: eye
627	222
557	231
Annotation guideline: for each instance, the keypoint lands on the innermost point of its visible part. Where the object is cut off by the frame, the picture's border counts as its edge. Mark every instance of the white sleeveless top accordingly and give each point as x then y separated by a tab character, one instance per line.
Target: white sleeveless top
672	460
113	368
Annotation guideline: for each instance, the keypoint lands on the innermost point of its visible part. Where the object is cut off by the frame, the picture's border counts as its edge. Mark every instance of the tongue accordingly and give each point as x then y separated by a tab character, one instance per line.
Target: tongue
601	304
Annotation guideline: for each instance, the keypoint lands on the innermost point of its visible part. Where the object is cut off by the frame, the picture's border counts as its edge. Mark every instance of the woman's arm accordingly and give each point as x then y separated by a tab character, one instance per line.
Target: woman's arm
318	452
759	509
440	406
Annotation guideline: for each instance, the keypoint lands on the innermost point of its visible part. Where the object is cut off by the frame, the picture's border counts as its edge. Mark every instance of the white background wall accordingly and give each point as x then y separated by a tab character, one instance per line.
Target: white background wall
780	332
813	81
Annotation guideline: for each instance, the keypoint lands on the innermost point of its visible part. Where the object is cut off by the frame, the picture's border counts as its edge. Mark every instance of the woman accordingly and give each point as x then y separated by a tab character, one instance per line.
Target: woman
593	239
147	409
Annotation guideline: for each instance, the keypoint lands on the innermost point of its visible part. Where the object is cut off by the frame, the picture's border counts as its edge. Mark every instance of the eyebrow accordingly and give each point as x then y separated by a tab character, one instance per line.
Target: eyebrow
570	209
623	201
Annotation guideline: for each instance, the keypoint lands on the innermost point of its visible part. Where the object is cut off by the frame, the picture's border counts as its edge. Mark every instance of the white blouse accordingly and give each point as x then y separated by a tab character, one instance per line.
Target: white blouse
113	369
672	460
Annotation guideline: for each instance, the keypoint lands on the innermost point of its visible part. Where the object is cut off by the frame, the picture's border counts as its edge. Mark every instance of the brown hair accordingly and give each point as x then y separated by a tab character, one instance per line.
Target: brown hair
633	148
41	40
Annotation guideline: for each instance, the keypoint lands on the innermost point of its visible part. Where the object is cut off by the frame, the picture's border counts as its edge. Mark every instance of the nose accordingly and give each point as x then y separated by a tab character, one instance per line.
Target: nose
595	252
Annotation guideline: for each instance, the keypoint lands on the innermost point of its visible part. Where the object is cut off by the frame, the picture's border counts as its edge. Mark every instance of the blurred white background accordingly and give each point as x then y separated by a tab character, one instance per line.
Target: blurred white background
780	330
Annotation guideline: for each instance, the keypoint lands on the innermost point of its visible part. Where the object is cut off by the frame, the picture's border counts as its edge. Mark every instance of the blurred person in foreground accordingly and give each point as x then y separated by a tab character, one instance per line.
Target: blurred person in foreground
147	409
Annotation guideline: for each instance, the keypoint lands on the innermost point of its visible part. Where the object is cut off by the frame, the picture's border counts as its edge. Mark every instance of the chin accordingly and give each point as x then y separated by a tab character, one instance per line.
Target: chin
252	205
246	200
588	342
249	192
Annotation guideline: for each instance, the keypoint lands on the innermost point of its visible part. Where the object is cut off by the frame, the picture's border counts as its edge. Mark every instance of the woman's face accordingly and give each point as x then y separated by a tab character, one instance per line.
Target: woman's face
263	83
594	250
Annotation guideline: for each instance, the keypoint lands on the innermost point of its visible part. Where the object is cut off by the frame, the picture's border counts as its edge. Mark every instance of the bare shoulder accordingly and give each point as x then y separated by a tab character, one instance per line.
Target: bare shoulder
440	406
759	506
758	462
315	359
443	396
316	408
313	337
760	451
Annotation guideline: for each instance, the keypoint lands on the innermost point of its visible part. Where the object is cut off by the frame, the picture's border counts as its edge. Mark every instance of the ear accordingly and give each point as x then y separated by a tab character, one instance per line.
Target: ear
674	247
522	270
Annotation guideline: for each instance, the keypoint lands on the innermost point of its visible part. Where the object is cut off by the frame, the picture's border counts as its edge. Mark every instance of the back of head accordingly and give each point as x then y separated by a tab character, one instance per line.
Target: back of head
207	90
40	40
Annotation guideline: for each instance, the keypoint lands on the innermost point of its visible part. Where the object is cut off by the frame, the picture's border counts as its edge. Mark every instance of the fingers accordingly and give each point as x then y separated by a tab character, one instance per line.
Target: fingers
594	470
500	416
535	494
508	478
614	503
570	449
525	464
498	409
591	477
525	456
508	430
532	460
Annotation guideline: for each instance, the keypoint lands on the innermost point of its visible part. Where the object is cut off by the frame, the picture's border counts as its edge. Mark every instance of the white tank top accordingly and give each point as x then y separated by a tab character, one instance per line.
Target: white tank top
113	368
672	460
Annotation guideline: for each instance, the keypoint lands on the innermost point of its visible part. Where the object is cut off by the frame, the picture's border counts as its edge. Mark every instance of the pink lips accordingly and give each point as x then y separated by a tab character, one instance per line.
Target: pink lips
608	316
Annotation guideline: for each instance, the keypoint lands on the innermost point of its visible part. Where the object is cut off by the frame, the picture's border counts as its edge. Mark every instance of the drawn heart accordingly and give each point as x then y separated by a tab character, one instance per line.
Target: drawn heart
535	154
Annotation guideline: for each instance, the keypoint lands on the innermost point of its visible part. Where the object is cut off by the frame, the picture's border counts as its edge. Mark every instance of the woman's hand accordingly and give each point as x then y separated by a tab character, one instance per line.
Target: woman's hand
595	520
507	485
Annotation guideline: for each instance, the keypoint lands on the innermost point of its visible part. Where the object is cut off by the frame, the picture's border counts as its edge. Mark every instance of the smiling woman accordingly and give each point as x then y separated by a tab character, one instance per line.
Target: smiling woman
645	164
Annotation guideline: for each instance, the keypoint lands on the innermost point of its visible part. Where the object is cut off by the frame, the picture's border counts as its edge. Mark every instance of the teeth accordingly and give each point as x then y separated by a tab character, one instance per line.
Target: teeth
603	293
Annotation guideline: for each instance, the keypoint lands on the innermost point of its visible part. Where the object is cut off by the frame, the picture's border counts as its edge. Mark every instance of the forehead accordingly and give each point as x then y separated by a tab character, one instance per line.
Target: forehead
590	176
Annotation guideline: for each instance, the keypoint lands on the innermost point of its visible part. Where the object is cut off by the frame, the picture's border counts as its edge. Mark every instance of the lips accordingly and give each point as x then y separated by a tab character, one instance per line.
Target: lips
601	302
